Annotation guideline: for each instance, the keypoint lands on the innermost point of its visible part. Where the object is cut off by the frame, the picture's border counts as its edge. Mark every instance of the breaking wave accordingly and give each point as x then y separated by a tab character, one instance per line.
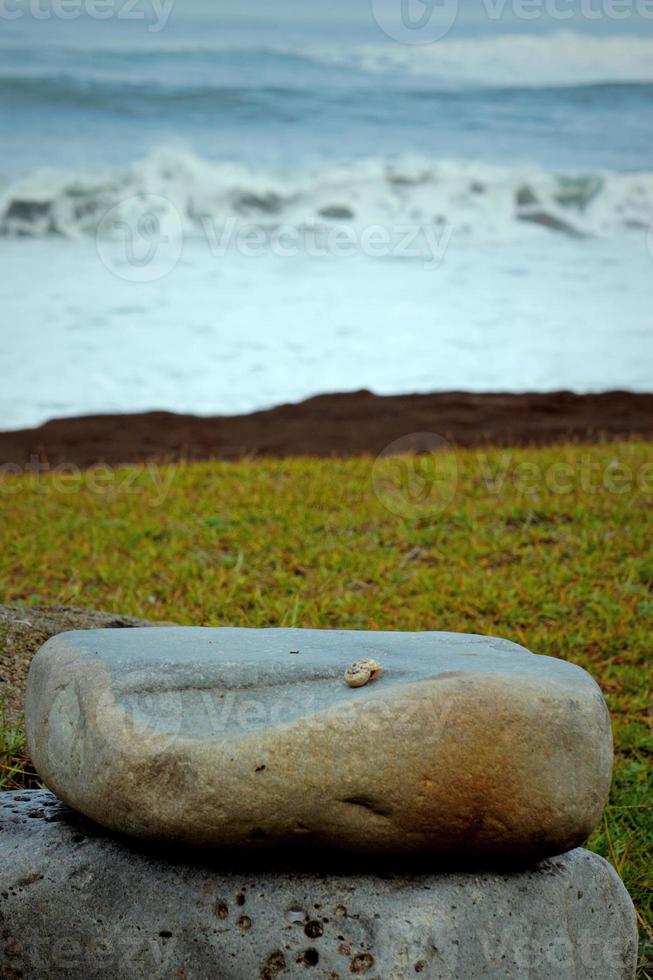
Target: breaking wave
510	60
565	58
477	201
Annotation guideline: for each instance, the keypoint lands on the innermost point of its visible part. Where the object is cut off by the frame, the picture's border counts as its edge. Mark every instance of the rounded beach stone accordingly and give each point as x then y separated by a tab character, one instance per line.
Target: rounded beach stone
81	904
465	745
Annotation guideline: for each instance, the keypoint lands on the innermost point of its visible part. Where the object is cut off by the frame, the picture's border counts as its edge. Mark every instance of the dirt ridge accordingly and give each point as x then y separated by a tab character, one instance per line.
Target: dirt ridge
342	424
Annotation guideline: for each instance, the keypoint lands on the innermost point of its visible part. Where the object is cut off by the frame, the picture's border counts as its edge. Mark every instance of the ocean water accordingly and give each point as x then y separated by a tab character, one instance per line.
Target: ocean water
214	212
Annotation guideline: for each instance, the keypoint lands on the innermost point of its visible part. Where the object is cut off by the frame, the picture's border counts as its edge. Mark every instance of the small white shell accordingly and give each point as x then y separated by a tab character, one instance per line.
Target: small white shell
362	671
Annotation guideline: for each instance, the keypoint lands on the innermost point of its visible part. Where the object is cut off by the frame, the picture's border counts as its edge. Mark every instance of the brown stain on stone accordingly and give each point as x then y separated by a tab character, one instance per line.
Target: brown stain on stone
361	963
275	964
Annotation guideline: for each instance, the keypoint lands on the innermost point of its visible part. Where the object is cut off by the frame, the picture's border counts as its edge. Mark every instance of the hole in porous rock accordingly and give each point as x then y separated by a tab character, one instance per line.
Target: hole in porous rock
240	899
341	910
165	934
361	963
55	817
310	957
244	923
221	910
313	929
259	769
420	966
275	964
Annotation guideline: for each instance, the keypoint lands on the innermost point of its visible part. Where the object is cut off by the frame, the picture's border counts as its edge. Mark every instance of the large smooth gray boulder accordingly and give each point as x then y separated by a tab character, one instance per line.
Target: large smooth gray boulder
464	745
79	904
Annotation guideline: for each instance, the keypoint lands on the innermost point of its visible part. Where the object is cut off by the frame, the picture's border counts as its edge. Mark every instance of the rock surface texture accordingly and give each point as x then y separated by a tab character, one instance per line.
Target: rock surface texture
80	904
23	629
465	745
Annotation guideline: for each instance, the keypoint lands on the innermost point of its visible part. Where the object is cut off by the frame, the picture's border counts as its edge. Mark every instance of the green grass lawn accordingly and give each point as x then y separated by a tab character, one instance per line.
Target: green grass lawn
548	547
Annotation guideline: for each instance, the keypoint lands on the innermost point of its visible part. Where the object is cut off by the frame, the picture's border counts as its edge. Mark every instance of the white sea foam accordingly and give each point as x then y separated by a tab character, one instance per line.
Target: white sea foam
478	202
233	334
510	60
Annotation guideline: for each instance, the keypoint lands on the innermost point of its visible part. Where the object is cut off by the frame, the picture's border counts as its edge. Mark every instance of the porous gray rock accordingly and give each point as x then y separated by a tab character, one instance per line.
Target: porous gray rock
80	904
464	745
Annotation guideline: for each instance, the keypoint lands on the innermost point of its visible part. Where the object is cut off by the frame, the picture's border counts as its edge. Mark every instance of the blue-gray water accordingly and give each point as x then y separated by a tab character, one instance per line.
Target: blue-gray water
526	147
